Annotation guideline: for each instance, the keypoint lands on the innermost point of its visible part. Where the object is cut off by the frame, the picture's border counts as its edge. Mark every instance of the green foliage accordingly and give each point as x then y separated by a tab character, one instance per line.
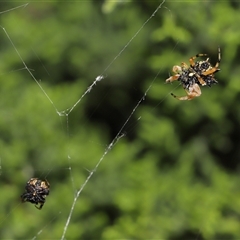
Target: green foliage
174	174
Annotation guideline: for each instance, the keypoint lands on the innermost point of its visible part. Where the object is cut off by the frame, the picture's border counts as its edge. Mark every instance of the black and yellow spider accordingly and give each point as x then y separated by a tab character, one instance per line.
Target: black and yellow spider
36	192
199	73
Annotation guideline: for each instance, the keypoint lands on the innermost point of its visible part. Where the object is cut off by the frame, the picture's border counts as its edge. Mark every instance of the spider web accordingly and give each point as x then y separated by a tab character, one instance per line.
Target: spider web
48	132
78	185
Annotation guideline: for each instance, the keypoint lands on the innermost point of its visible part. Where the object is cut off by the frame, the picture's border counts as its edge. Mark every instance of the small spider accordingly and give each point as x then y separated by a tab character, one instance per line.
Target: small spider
36	192
199	73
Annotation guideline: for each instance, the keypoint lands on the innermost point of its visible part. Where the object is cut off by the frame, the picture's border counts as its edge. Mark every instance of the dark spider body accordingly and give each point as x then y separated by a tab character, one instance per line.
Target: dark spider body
210	80
203	66
187	79
199	73
36	191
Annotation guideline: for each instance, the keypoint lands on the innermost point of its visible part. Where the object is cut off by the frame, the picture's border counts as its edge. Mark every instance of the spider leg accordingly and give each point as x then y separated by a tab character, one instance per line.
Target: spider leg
219	58
194	91
184	66
191	60
211	71
177	70
172	78
203	83
39	207
215	68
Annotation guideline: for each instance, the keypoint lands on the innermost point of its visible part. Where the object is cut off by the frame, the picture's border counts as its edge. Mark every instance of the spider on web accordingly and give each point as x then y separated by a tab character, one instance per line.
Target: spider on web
36	191
198	74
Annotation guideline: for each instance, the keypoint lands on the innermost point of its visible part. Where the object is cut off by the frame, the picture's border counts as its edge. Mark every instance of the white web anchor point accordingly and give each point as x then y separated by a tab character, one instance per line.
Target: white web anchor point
99	78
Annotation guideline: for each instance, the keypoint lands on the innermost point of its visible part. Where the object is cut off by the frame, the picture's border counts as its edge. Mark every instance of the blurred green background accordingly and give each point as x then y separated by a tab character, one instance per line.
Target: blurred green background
175	173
